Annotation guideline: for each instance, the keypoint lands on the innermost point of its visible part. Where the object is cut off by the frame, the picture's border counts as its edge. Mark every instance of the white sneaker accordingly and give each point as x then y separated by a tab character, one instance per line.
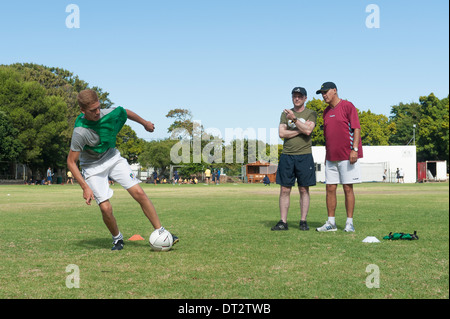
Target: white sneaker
327	227
349	227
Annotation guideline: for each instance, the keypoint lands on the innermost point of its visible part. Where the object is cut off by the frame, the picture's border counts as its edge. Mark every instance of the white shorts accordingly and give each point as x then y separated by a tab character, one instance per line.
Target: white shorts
115	168
342	172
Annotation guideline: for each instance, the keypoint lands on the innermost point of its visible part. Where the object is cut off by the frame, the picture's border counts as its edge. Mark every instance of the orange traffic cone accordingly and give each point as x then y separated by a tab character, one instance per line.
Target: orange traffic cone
136	237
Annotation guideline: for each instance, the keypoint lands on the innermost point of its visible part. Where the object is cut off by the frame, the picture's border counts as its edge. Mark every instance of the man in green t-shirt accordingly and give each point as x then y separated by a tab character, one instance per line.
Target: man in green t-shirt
296	161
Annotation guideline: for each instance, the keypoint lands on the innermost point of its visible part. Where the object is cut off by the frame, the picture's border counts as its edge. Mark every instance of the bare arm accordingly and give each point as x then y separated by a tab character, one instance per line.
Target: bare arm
356	138
305	127
284	132
149	126
72	160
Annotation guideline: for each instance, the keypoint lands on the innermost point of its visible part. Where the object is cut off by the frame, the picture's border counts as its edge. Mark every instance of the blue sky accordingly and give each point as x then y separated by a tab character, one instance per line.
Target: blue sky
234	63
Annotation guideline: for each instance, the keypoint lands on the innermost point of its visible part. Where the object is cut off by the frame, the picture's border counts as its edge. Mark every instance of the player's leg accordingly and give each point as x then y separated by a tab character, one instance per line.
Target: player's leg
111	224
304	206
349	206
123	174
350	175
98	182
108	217
305	173
332	178
147	206
330	224
286	179
349	199
284	202
331	199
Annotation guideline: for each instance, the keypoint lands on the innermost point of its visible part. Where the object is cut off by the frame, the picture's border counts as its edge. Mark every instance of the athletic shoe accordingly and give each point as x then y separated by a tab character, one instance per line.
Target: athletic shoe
118	245
280	226
304	225
175	239
349	227
327	227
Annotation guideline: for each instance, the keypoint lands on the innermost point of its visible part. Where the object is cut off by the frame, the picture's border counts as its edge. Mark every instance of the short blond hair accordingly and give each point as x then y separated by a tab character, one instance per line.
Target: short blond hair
86	98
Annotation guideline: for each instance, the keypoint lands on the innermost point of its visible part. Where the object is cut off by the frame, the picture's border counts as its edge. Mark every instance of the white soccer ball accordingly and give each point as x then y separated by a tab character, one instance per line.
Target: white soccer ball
161	240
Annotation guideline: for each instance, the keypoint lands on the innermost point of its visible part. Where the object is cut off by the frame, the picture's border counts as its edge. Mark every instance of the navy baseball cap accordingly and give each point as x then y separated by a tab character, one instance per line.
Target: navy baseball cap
325	87
299	90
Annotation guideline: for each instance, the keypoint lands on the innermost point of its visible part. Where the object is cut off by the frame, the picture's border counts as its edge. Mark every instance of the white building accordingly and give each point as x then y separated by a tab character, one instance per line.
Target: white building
375	160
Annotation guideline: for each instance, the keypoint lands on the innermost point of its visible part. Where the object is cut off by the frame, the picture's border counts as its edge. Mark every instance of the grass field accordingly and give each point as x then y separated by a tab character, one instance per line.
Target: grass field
226	248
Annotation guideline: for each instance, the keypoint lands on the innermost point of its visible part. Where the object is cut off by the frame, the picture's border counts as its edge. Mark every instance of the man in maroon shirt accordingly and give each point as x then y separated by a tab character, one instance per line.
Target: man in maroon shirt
343	147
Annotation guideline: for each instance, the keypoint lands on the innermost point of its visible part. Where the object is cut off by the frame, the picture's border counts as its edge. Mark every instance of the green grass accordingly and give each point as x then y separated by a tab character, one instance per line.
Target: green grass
226	248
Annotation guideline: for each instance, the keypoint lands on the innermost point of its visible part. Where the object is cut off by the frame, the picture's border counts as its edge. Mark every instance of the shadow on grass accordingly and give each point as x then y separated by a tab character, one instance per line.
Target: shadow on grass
292	224
100	243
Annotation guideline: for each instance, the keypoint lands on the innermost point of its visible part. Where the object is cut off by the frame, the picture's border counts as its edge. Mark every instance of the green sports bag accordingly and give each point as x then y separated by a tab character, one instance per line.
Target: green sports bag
404	236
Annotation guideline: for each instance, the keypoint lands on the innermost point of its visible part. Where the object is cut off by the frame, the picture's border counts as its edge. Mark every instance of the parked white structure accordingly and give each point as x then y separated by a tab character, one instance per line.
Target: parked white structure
375	160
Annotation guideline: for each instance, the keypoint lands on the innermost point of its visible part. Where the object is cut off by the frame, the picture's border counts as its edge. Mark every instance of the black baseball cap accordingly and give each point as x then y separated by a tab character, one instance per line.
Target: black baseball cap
299	90
325	87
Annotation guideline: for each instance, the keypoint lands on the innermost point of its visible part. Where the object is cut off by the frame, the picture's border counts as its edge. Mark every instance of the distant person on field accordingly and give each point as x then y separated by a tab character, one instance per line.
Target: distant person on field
93	144
49	176
69	177
175	177
208	175
155	177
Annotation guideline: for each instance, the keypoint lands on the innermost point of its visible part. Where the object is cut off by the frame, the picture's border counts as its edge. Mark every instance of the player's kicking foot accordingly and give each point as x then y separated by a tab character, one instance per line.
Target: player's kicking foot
117	245
327	227
175	239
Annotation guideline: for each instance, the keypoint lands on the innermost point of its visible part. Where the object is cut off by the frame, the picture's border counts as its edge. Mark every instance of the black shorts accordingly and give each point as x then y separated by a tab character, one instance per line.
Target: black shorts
300	167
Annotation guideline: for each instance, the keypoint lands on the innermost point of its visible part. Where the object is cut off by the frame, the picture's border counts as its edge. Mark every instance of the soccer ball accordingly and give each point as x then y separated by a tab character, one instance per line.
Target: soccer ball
161	240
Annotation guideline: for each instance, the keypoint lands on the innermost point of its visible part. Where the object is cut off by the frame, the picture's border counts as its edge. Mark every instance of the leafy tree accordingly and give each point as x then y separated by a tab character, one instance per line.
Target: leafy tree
183	125
243	151
433	129
403	117
375	128
41	103
188	133
157	154
431	118
62	83
10	146
129	145
318	139
40	120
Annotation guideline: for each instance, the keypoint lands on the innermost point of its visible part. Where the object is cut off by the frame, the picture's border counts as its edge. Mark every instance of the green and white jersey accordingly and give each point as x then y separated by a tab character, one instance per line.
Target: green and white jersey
96	140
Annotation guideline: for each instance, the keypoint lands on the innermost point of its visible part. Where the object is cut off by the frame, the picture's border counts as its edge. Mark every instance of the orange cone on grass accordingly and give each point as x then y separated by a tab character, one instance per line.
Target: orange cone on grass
136	237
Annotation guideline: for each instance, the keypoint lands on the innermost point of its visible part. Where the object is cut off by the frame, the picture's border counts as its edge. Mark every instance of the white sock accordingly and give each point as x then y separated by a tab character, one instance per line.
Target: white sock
118	237
349	220
332	220
160	229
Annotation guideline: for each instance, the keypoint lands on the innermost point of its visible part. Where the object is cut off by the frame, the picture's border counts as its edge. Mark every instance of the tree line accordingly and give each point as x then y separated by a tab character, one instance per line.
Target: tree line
38	108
